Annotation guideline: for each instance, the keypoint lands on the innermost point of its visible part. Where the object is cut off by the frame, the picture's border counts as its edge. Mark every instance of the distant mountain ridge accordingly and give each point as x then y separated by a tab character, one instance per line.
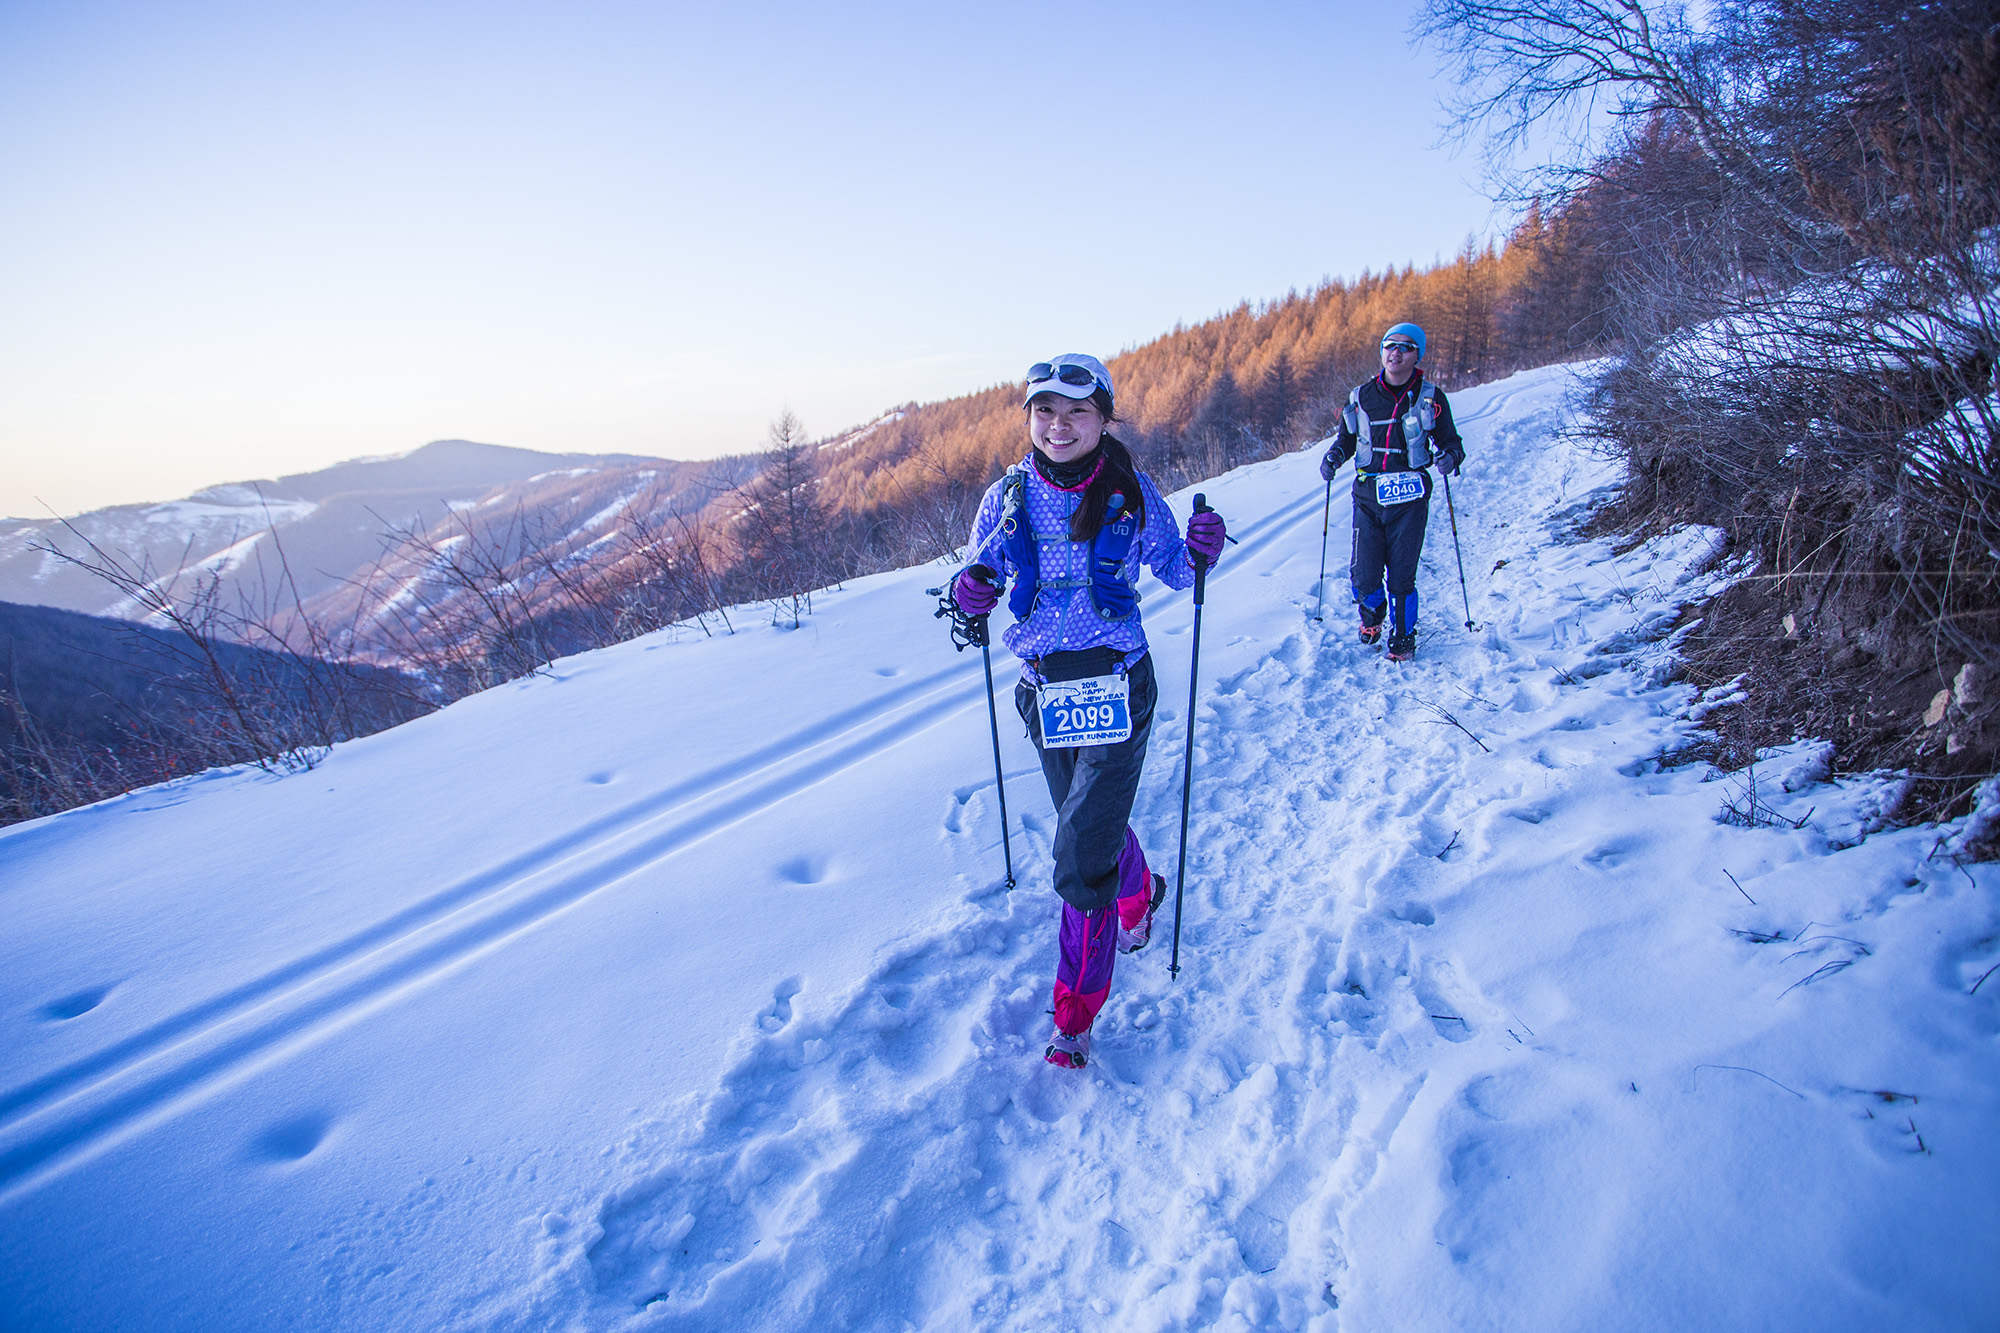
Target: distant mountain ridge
326	530
441	464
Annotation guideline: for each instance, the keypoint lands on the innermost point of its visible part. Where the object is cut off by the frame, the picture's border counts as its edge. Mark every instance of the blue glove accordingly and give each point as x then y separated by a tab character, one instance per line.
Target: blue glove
974	592
1327	467
1205	535
1447	464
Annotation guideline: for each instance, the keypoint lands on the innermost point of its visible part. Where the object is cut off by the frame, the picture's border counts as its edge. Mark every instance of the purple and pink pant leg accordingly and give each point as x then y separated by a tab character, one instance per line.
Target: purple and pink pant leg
1089	941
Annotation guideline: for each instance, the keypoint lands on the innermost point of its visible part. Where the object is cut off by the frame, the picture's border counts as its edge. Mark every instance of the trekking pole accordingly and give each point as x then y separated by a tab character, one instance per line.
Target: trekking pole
993	723
1187	762
1325	523
965	632
1452	511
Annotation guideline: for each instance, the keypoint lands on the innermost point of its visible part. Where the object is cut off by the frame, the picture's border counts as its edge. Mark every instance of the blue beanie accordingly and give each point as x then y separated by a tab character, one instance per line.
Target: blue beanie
1410	331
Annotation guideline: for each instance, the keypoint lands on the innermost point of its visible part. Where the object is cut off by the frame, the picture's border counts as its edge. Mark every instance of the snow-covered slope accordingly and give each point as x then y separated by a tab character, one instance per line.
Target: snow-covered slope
329	529
678	989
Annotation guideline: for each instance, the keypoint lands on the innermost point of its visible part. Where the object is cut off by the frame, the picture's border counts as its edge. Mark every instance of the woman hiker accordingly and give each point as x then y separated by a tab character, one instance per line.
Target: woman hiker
1069	527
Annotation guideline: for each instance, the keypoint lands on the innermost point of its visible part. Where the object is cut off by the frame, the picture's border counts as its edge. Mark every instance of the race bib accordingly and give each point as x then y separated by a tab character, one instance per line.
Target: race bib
1093	711
1399	488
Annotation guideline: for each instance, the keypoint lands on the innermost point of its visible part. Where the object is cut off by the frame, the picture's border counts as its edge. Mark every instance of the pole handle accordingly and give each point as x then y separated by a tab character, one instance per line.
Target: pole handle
1200	560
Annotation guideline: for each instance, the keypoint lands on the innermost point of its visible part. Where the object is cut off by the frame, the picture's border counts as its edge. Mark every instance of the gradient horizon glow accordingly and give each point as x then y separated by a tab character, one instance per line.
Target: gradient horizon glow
238	241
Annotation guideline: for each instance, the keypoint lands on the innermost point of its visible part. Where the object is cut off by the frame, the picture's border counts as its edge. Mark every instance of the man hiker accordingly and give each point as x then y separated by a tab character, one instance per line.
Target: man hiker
1396	426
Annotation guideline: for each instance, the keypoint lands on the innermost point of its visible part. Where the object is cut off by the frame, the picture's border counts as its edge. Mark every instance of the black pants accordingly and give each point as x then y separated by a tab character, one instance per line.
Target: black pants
1093	786
1388	539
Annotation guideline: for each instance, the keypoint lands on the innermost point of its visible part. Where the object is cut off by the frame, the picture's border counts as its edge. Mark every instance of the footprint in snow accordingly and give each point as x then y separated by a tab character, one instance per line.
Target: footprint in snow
959	815
1503	1096
1436	990
1357	1009
1614	853
780	1012
293	1139
1891	1121
669	1239
1261	1239
74	1005
805	870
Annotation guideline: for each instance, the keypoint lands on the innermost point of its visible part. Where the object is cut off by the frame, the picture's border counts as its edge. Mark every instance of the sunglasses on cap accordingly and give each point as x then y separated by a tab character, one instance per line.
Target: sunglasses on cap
1067	373
1399	346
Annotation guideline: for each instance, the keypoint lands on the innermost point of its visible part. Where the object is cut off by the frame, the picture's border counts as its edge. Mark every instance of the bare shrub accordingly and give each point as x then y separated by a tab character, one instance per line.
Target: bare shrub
1798	211
482	603
281	708
782	526
669	570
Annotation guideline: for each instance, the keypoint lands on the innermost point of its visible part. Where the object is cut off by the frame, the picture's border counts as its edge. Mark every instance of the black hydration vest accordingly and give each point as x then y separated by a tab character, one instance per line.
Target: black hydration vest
1419	424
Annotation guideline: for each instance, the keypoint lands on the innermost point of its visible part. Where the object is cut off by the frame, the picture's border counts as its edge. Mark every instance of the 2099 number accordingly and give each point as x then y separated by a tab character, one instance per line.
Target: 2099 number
1089	717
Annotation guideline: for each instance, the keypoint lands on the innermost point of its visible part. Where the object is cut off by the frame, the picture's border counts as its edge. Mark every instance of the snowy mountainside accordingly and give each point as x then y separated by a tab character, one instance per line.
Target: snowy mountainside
678	988
326	526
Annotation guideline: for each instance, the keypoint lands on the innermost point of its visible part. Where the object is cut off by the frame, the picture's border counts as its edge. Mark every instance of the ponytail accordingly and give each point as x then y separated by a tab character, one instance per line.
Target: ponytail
1119	476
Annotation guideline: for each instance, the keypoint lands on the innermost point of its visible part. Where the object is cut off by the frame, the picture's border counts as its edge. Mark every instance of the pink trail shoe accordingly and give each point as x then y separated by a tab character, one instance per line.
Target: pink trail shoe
1070	1050
1132	939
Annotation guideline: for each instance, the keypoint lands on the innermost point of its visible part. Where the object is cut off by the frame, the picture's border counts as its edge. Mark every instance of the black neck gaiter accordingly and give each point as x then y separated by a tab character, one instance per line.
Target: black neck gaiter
1070	475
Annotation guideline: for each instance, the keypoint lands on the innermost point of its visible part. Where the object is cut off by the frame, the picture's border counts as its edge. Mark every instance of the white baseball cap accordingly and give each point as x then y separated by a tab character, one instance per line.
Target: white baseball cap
1073	375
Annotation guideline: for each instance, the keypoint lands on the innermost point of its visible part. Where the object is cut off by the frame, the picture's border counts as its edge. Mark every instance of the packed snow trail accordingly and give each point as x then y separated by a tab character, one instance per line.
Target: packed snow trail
678	989
903	1160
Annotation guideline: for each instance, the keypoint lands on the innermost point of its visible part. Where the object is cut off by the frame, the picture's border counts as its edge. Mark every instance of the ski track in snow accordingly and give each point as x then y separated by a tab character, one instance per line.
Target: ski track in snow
94	1102
913	1131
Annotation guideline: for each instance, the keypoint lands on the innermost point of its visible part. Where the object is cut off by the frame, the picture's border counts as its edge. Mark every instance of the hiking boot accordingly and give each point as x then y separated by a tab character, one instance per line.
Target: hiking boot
1371	635
1402	647
1070	1050
1134	939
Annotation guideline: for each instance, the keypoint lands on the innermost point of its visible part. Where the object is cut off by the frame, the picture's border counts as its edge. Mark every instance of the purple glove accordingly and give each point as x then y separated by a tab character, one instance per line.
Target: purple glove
1205	534
971	592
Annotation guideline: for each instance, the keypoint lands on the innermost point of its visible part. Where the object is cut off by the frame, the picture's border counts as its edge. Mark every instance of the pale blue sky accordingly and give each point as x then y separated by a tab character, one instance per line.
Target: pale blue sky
239	240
